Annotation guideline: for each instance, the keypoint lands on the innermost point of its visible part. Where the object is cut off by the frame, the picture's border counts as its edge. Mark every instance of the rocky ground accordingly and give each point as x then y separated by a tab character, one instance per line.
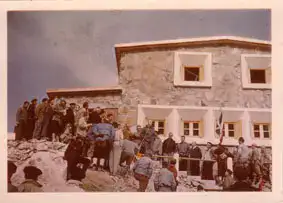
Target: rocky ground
48	156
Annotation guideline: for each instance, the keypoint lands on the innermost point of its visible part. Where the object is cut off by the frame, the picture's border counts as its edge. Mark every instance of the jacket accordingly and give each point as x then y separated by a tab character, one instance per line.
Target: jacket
105	129
82	127
169	146
242	153
183	148
157	145
144	166
164	178
40	110
22	114
129	147
30	186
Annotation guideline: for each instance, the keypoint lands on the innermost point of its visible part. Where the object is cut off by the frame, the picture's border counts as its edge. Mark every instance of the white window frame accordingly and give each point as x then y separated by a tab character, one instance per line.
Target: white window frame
156	122
261	131
191	128
246	72
207	70
226	129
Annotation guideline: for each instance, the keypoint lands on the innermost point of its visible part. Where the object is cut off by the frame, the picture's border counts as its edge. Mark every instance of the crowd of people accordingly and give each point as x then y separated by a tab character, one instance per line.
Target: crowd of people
95	135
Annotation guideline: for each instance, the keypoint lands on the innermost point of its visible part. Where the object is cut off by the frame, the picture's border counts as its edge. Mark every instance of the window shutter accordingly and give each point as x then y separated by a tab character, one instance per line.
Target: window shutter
270	131
201	130
181	127
238	129
268	75
201	73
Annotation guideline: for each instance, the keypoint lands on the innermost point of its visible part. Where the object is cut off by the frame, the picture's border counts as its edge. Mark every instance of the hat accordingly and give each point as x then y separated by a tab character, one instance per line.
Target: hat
34	99
71	104
32	170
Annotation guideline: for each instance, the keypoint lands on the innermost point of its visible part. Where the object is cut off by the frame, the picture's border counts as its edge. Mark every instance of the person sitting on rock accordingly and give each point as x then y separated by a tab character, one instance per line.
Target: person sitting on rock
165	181
143	169
31	176
12	168
74	156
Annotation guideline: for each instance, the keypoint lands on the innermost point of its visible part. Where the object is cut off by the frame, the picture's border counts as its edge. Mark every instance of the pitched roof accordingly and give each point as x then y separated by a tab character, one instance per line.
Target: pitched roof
191	42
83	91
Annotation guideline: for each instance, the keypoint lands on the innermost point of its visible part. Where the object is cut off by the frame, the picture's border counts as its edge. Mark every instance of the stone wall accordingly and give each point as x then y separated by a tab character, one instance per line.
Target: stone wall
147	78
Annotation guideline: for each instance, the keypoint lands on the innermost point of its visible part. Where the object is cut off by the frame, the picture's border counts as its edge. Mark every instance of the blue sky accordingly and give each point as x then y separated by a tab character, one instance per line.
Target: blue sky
68	49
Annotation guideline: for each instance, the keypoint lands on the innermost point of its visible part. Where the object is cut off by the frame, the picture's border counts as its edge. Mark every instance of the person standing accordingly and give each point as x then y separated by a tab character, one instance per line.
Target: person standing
94	116
255	161
242	154
169	146
70	117
103	134
143	169
156	146
265	161
207	164
115	153
221	153
195	153
81	112
31	183
82	130
47	125
31	119
12	168
39	113
21	122
164	181
129	149
183	151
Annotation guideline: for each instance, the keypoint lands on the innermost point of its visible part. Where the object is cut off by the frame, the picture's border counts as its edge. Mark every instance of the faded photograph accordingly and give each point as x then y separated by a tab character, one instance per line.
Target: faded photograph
139	101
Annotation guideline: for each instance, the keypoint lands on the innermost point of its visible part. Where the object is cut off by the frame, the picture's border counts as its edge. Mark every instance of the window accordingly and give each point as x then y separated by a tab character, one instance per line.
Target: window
228	130
159	125
192	128
192	69
256	71
261	130
257	76
192	73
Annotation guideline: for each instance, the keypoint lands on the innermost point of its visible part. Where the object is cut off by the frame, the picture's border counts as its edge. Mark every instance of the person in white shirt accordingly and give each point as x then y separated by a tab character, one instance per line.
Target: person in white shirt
115	153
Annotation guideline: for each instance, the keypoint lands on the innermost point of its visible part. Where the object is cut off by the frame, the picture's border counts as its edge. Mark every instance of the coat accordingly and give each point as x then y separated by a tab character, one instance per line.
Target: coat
40	110
82	127
183	148
22	114
156	146
30	186
169	146
165	179
105	129
144	166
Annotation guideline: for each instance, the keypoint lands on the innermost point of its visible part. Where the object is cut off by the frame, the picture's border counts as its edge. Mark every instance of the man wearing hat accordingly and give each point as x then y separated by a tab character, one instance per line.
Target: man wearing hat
143	169
31	118
164	181
70	117
12	168
31	176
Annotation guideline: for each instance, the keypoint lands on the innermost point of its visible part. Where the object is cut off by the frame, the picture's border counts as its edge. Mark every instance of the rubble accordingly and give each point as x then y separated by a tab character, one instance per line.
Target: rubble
48	156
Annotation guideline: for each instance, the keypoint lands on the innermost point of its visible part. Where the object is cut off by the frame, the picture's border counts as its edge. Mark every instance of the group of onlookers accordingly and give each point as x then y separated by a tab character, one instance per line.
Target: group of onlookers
95	134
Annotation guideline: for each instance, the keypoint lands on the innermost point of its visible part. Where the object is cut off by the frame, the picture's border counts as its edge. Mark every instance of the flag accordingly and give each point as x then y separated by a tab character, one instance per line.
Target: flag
219	127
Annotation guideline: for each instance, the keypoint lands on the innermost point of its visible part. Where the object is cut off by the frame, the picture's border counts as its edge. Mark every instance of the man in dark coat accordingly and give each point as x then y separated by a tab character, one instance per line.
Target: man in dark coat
39	113
195	153
95	116
12	168
74	155
241	184
169	146
222	154
31	119
21	121
70	117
